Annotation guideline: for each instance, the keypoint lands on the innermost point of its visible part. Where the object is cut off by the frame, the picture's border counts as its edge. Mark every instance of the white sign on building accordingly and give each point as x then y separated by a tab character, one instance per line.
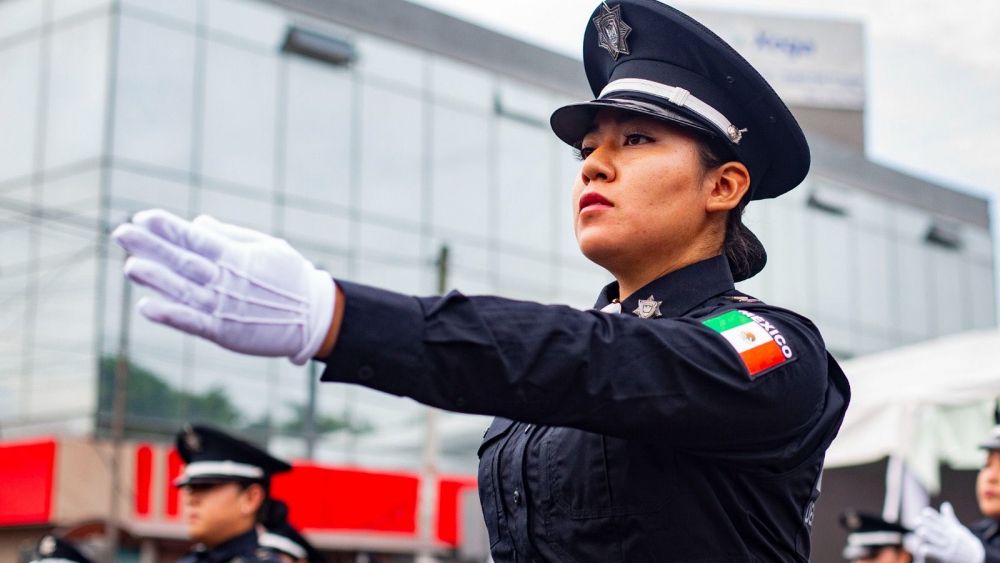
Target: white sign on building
810	62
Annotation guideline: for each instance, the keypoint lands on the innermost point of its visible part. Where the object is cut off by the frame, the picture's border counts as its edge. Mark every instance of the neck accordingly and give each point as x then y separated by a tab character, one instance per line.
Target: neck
631	280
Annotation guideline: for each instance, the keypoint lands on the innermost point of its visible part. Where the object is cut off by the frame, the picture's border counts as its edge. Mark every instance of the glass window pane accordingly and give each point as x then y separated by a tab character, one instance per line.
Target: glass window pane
834	265
154	101
250	21
391	159
568	168
184	10
242	211
239	122
789	258
316	227
76	101
462	83
318	135
978	243
131	192
950	300
18	16
525	278
525	186
243	384
385	242
64	8
460	172
391	275
390	61
872	282
18	107
580	281
982	295
526	102
75	199
912	287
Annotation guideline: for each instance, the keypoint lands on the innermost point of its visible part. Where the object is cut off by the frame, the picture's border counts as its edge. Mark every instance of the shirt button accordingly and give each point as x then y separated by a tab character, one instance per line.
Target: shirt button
517	496
365	373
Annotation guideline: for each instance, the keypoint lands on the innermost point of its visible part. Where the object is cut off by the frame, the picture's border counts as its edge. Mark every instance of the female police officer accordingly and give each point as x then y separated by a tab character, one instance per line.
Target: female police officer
682	420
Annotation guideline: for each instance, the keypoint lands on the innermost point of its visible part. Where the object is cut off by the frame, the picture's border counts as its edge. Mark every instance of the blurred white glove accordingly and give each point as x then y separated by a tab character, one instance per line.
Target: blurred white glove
911	543
244	290
943	538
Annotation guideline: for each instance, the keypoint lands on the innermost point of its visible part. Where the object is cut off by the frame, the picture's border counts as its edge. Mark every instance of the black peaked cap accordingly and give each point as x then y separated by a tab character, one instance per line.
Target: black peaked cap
664	64
868	533
213	456
53	548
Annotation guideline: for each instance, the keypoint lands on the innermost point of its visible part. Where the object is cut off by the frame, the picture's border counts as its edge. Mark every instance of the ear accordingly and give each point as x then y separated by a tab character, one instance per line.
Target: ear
729	183
252	498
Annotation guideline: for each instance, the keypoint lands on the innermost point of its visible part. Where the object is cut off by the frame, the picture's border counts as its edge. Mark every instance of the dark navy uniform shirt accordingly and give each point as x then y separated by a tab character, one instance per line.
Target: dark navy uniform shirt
988	530
698	435
241	549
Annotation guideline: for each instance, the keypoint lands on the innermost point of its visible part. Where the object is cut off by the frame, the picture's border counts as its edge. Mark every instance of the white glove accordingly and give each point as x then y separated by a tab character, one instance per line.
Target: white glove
244	290
945	539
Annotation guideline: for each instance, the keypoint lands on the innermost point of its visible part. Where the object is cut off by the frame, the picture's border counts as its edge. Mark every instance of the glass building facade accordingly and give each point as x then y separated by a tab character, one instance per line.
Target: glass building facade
369	165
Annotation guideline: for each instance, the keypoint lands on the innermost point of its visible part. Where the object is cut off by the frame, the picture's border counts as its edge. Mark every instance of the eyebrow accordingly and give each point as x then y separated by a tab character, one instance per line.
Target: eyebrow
619	118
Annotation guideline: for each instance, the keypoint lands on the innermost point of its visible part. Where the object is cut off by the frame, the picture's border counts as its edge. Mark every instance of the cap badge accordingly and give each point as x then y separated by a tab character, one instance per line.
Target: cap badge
648	308
612	31
191	439
47	546
735	135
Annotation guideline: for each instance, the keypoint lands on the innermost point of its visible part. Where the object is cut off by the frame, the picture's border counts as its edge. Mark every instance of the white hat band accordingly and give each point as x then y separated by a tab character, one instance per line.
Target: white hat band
281	543
679	97
221	468
875	538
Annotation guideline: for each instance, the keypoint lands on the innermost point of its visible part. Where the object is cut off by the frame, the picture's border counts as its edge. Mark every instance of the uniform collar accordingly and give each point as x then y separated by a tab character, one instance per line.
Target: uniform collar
240	545
679	291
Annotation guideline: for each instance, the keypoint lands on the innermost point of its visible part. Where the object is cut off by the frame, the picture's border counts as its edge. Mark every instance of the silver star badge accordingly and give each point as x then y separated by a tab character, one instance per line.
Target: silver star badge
192	440
612	31
648	308
47	546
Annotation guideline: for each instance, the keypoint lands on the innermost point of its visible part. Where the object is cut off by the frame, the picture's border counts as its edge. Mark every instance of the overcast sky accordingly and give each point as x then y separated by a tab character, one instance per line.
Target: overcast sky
933	71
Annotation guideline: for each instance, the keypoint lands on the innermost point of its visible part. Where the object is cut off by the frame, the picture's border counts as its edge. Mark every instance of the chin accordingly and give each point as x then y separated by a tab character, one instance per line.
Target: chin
599	250
990	508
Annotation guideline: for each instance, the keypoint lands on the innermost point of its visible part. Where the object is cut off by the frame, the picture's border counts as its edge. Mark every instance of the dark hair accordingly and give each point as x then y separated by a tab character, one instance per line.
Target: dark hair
743	250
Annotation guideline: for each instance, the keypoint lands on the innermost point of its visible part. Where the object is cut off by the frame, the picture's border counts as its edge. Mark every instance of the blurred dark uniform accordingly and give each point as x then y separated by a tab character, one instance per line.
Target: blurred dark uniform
690	426
869	535
988	529
214	457
53	549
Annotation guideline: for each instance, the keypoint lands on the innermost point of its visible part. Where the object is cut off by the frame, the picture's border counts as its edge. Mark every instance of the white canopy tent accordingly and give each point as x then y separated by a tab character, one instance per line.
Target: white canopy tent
925	403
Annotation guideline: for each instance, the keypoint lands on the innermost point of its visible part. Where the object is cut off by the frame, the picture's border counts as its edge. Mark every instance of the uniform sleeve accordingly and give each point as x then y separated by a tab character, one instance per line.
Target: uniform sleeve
676	381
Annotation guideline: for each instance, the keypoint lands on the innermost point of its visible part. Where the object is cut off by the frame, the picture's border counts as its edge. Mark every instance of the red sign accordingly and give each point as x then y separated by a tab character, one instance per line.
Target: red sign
27	472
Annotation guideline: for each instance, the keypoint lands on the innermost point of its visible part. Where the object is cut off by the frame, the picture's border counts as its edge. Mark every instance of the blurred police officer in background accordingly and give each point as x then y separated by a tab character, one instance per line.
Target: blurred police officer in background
224	490
681	419
279	536
872	539
53	549
945	539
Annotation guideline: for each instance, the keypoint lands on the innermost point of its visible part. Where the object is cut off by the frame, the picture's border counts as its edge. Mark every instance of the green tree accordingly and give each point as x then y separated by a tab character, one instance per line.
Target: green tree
153	408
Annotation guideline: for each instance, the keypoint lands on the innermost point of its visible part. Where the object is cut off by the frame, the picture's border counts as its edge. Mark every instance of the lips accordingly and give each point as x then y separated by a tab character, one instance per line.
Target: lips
591	199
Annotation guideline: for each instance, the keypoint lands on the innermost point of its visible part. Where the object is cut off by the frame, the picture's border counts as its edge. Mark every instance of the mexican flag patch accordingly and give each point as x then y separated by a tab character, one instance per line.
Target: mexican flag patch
758	342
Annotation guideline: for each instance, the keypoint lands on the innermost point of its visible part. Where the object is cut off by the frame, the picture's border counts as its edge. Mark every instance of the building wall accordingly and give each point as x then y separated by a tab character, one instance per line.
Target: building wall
368	169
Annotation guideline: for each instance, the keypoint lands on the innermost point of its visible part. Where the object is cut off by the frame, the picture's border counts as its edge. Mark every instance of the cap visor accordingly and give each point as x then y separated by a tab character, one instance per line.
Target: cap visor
571	123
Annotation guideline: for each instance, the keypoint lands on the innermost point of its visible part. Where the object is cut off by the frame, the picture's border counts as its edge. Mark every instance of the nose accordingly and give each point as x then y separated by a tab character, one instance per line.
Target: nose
598	166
